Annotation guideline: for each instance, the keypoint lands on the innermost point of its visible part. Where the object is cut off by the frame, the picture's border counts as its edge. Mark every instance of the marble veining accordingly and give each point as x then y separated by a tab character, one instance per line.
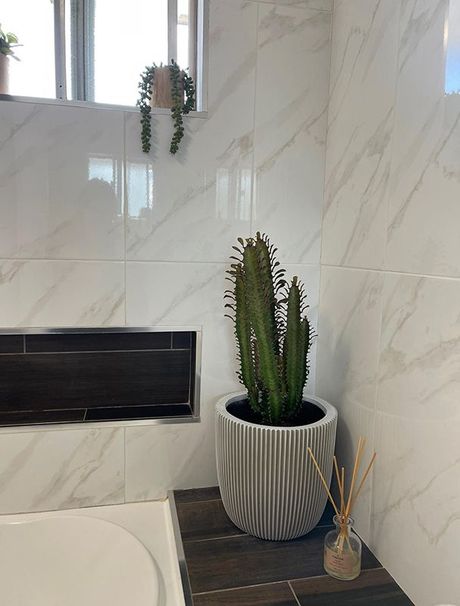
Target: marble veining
289	122
392	207
61	469
360	127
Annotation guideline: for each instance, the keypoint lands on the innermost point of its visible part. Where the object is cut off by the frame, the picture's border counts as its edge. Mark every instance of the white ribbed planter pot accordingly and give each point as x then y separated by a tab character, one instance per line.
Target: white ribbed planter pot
268	483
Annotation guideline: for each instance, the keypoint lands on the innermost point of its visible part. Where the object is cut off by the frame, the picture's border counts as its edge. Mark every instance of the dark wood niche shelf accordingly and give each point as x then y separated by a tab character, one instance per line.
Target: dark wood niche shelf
227	567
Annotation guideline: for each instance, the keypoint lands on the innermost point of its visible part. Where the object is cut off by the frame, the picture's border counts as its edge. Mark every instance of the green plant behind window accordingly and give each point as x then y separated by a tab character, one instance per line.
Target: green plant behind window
183	102
272	331
8	42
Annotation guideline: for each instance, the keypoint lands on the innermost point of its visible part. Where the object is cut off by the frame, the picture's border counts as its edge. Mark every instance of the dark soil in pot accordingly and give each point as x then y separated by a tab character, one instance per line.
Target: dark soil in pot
309	413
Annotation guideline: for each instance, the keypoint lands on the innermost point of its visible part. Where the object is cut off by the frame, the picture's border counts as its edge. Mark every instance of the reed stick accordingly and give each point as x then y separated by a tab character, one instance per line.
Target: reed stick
356	466
369	467
339	482
324	482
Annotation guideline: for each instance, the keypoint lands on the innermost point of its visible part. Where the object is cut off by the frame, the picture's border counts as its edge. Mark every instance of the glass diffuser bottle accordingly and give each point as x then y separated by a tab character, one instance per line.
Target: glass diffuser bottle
342	550
342	546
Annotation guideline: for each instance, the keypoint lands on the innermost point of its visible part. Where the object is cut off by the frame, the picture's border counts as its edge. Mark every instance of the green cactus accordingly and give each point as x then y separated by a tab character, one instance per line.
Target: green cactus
272	332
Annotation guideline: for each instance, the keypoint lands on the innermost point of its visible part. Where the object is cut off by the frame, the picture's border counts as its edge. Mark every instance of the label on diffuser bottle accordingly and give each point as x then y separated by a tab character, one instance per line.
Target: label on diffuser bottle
342	563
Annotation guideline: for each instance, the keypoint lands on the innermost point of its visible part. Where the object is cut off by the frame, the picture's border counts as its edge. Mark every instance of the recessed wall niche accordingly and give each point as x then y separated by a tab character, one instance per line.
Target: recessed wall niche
94	375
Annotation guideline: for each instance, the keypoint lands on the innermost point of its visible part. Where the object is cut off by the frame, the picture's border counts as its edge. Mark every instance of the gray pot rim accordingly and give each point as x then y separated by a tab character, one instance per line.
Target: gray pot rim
330	412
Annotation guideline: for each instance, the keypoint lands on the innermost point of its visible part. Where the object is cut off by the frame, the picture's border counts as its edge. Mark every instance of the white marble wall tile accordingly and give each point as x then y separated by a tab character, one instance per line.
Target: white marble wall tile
348	358
60	182
425	185
420	348
291	115
180	294
159	458
416	504
360	123
61	293
43	470
322	5
348	335
417	437
201	198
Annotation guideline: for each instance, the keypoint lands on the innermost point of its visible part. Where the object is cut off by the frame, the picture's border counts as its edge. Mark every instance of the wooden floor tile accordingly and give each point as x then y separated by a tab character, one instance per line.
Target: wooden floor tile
196	495
372	588
278	594
205	520
241	561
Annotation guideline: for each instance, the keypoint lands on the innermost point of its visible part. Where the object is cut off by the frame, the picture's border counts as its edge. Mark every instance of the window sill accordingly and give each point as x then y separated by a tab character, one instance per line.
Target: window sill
91	105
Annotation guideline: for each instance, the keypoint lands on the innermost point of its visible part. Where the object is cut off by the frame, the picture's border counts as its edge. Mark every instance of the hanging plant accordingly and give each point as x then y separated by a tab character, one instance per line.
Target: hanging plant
8	42
165	86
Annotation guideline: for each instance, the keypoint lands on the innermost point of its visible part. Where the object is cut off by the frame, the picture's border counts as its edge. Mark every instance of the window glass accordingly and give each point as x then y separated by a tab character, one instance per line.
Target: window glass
125	41
452	85
101	47
183	20
33	22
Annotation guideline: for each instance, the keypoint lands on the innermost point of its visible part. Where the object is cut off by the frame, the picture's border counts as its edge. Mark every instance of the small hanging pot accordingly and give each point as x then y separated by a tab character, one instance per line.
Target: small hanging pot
161	88
4	74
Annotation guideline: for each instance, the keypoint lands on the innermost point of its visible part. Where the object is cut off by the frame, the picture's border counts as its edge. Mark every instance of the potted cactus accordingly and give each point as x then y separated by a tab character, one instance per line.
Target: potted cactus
267	481
8	42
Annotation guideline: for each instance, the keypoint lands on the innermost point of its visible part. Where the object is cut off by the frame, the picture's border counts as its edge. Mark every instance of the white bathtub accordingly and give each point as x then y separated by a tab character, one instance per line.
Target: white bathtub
103	556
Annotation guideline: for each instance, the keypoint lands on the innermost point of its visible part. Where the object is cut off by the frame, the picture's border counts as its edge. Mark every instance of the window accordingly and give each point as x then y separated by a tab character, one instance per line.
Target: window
452	44
95	50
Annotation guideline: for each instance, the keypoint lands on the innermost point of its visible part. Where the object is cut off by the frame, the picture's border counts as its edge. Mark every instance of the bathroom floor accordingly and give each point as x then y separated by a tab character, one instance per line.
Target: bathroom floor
226	566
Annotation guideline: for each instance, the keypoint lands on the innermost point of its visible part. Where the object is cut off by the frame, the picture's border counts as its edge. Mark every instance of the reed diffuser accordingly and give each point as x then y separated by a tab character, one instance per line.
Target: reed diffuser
342	547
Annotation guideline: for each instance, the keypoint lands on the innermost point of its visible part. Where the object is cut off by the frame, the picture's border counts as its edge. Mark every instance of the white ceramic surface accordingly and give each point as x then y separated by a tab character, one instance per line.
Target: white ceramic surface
112	532
74	561
268	483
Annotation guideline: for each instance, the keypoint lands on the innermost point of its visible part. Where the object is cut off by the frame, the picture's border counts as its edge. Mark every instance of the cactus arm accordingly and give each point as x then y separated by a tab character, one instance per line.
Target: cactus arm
267	284
262	325
293	350
306	342
243	337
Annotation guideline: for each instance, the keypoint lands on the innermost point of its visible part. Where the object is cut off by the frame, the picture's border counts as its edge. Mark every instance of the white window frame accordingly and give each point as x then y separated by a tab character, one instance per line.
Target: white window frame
81	72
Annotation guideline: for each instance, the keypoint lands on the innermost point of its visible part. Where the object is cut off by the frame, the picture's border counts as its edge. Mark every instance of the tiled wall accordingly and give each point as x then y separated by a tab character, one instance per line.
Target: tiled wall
389	331
84	242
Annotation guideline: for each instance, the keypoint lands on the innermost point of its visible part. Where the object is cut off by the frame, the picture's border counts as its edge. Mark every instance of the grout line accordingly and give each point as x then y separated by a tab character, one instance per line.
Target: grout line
298	6
294	593
137	261
283	581
125	493
323	200
124	193
197	502
208	539
237	536
391	272
227	589
253	209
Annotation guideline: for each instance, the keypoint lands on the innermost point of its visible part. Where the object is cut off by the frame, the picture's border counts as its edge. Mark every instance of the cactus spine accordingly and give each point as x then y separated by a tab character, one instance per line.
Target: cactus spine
272	333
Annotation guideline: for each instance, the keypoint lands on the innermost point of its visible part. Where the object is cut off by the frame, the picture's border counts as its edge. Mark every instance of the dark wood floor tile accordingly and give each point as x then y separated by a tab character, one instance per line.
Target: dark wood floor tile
245	560
196	495
372	588
278	594
205	520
